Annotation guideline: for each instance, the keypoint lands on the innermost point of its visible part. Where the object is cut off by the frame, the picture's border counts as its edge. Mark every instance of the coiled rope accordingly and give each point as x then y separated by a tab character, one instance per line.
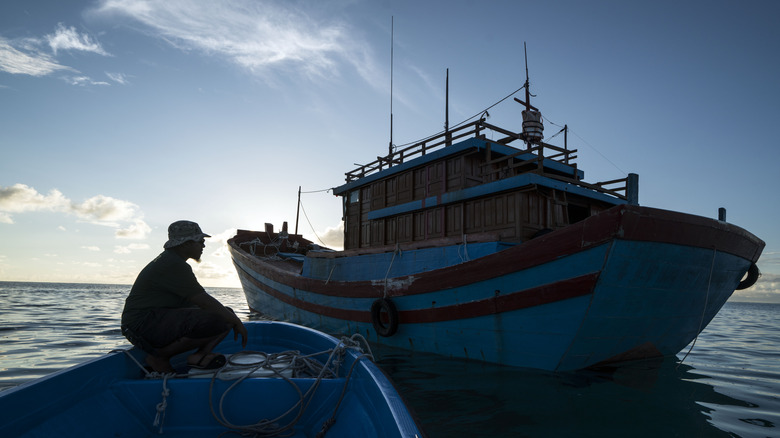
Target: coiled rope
302	365
297	365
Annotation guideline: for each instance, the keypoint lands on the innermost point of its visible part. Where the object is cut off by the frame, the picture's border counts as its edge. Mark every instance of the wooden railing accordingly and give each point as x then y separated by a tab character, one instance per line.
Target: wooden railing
540	152
420	148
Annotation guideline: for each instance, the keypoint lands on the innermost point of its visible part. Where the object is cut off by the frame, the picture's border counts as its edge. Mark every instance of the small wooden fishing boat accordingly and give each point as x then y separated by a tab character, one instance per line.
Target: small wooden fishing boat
291	381
466	246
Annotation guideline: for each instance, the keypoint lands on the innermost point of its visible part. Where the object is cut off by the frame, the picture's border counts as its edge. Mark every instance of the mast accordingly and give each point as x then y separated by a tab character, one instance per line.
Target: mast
298	212
390	146
532	118
447	109
527	87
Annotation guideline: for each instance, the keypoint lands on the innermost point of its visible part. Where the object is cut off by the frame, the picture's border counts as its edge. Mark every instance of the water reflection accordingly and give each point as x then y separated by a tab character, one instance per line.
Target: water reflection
463	398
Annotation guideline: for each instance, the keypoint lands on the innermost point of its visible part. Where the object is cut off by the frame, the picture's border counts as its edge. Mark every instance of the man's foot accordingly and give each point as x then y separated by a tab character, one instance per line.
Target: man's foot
159	364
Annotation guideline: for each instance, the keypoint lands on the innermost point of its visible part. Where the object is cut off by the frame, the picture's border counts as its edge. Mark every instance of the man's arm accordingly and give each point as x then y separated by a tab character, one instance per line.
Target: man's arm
207	302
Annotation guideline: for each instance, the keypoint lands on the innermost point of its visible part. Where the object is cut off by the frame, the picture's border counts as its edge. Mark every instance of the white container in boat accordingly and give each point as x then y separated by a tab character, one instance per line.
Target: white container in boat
240	365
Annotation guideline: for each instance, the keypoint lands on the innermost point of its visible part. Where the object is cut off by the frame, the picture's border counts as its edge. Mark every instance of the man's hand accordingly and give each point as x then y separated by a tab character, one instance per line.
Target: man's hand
207	302
239	328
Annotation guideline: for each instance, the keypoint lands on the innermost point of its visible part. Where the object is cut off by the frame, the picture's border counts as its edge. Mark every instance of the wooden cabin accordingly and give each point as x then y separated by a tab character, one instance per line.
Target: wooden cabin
445	188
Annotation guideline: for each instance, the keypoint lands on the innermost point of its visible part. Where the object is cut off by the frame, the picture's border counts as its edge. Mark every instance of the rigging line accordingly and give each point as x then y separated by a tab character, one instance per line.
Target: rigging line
704	310
598	152
318	191
491	106
547	120
554	135
310	225
462	122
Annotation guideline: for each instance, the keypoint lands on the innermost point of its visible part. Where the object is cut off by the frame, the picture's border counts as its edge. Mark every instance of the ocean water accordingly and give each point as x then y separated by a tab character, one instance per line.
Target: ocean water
727	386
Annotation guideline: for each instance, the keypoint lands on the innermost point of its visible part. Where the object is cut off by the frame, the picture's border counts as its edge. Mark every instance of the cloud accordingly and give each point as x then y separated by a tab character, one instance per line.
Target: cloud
68	38
91	248
83	81
206	270
32	63
137	230
99	209
218	242
26	56
333	237
20	198
261	37
766	290
127	249
104	210
119	78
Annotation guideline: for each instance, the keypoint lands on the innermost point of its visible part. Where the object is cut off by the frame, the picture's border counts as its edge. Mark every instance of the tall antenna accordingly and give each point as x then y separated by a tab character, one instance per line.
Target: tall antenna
392	27
527	87
532	118
448	136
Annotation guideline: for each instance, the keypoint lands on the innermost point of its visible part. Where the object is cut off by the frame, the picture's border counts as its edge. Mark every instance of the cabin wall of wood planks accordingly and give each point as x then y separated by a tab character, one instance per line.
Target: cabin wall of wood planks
514	216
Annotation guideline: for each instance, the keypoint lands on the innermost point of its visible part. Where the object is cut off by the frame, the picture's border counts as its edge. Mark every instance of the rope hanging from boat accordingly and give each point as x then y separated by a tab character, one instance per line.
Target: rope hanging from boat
387	274
310	225
386	305
330	421
465	257
704	310
159	418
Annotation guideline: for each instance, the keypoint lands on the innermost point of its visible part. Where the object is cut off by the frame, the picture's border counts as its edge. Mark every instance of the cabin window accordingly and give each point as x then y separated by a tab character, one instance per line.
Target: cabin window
354	197
577	213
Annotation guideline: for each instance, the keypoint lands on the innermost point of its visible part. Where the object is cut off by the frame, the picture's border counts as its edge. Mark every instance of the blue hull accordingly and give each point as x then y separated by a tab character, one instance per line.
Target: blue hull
620	286
108	396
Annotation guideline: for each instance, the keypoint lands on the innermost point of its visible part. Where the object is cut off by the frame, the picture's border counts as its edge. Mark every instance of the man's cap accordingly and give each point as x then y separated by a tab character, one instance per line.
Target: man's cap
183	231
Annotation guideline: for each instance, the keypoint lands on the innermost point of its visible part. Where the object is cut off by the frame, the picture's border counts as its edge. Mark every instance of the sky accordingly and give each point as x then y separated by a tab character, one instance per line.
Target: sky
118	117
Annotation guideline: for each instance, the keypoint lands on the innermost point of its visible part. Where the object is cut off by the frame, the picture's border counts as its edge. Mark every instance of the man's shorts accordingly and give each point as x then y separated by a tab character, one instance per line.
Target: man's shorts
162	327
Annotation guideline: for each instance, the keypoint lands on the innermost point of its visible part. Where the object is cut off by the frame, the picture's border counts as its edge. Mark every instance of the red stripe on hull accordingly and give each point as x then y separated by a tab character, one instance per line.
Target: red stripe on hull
622	222
537	296
546	294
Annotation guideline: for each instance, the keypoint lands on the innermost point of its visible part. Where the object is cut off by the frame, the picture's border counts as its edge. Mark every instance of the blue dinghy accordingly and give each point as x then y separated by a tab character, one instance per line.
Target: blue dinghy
289	381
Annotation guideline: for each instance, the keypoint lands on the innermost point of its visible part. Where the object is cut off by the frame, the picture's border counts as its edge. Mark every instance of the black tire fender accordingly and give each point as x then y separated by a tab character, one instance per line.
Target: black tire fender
386	305
752	275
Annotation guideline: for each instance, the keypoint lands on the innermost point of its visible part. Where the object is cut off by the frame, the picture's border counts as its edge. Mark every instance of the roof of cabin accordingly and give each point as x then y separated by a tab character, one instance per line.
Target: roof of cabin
474	144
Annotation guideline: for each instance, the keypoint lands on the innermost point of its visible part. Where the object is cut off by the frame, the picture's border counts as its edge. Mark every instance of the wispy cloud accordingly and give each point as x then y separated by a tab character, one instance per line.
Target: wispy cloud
28	62
119	78
127	249
30	56
68	38
100	210
82	81
262	37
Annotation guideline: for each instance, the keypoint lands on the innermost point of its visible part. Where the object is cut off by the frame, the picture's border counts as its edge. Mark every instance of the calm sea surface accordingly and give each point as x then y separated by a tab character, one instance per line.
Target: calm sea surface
729	384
